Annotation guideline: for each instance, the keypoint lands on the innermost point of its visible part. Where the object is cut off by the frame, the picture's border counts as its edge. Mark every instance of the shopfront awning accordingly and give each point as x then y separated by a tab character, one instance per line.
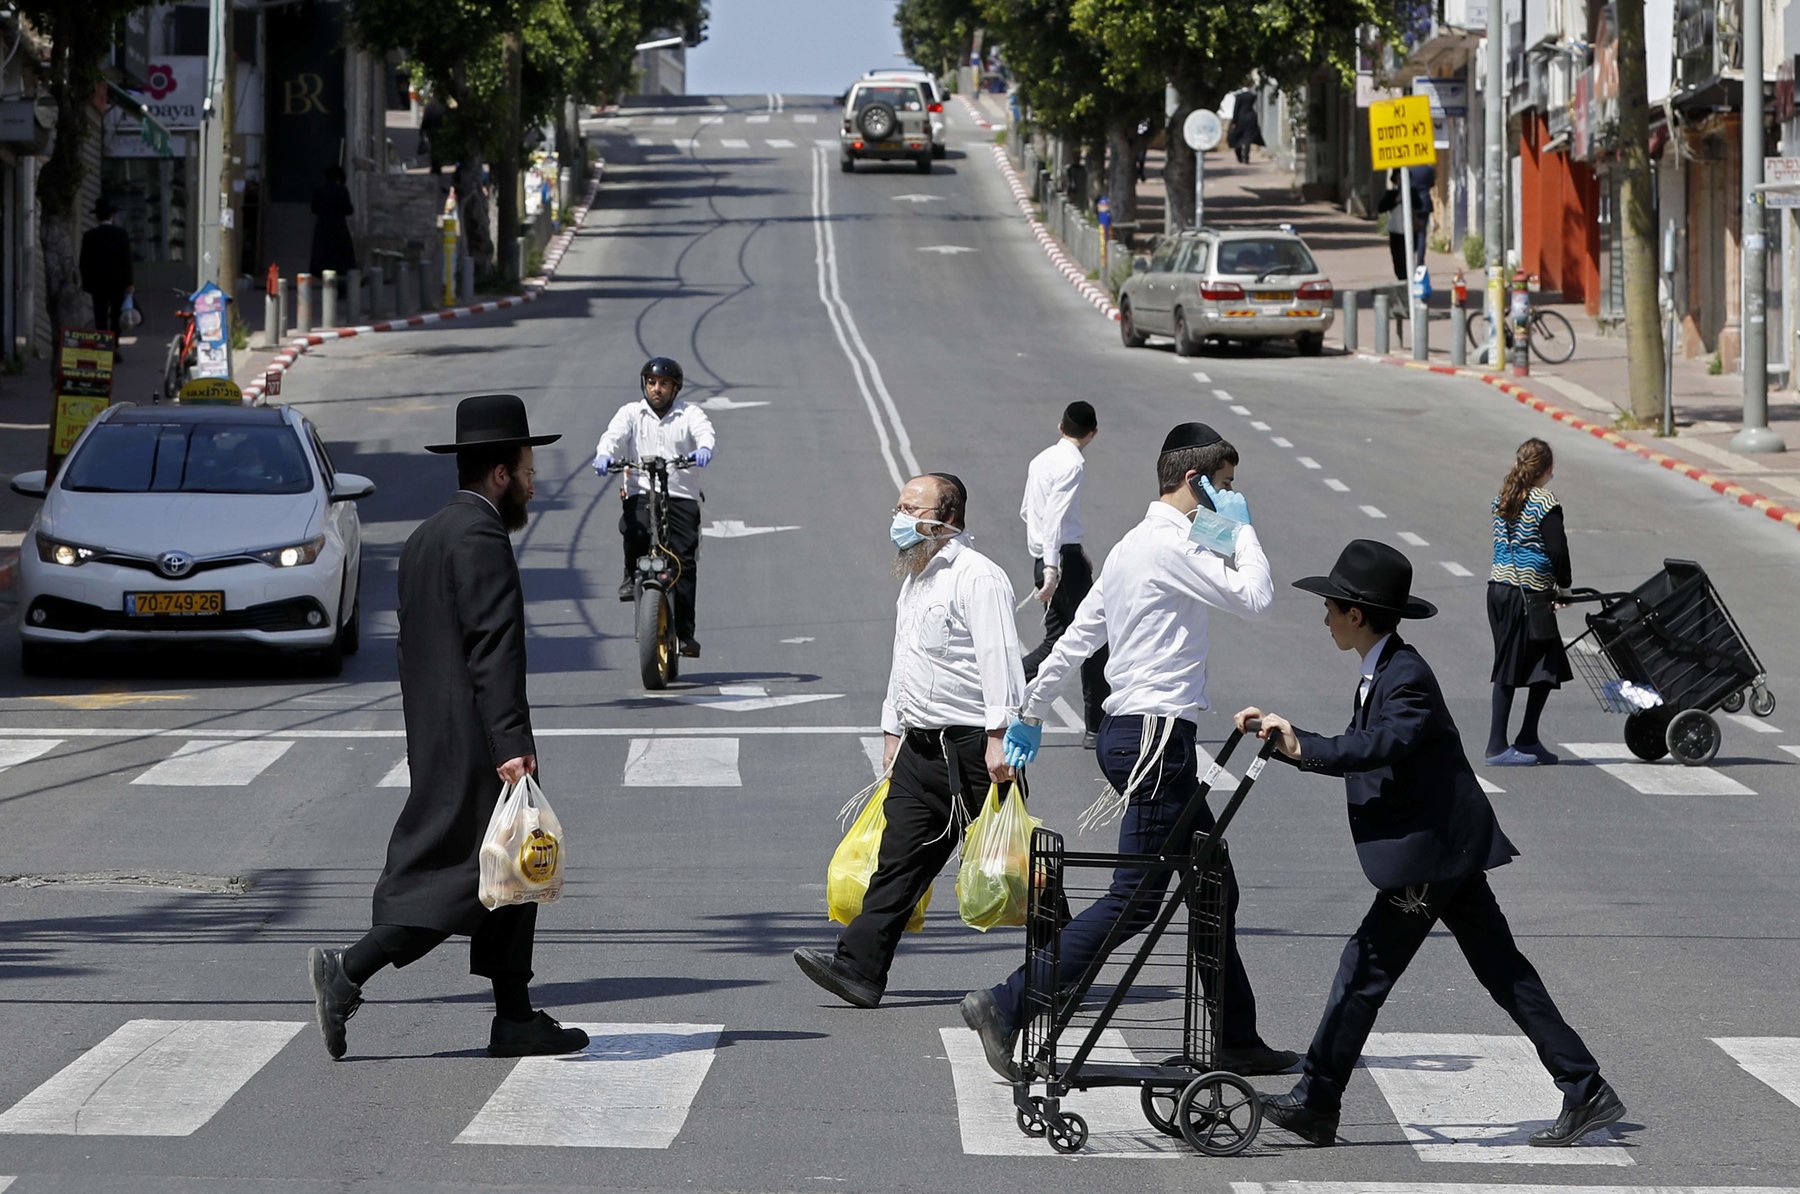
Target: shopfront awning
153	132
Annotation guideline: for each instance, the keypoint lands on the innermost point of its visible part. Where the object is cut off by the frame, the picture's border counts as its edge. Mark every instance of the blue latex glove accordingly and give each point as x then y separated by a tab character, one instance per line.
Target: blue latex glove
1022	743
1228	502
702	456
602	462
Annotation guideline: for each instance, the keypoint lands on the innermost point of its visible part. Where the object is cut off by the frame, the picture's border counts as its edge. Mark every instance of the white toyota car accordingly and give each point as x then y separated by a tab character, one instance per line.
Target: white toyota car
186	524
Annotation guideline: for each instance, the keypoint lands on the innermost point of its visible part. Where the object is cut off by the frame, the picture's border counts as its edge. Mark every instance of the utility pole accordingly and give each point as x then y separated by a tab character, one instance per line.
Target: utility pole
1755	436
227	117
1495	232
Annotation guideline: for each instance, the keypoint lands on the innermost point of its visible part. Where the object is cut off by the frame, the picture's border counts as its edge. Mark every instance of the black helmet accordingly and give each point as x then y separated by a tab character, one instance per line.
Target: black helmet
661	367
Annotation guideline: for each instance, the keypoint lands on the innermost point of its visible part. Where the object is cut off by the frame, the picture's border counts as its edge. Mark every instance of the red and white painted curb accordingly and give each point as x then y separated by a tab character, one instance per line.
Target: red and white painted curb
1052	247
298	346
973	111
1730	489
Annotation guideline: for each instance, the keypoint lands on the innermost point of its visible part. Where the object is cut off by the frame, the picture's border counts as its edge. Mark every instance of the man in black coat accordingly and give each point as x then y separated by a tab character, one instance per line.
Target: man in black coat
468	729
1426	837
105	265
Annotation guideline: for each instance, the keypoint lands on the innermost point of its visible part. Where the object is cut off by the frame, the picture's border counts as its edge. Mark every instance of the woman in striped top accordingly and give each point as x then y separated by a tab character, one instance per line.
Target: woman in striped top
1531	562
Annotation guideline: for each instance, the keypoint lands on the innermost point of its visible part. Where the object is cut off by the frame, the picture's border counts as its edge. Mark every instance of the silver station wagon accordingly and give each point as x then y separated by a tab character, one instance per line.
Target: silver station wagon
1227	284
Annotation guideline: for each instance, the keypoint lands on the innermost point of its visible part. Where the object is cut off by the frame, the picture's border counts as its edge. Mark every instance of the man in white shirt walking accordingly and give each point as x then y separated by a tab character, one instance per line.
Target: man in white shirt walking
661	425
1060	569
1152	605
955	684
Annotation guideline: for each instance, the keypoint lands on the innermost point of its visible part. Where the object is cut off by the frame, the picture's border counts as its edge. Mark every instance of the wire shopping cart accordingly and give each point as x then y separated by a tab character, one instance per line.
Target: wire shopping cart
1667	654
1160	1000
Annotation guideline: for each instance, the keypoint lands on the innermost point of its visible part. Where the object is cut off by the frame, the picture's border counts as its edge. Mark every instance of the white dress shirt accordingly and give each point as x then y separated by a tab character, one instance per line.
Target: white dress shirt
956	647
1052	505
636	433
1150	607
1368	669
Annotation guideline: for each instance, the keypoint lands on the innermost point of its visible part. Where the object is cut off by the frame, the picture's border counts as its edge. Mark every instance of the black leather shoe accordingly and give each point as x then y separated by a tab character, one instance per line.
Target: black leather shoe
1286	1111
335	997
1600	1111
823	968
981	1012
1252	1060
627	590
539	1036
690	648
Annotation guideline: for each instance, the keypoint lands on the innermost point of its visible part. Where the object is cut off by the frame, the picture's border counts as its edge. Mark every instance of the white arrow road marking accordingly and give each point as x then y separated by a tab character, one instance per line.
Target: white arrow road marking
743	698
731	528
947	250
916	198
727	402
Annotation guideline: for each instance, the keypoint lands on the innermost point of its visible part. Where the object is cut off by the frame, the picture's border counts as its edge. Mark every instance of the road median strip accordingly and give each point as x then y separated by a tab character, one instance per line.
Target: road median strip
1741	495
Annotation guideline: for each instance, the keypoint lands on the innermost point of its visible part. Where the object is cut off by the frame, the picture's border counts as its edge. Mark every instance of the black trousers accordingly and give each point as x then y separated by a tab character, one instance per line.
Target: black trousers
1077	579
921	835
106	311
1397	250
499	949
1378	954
684	541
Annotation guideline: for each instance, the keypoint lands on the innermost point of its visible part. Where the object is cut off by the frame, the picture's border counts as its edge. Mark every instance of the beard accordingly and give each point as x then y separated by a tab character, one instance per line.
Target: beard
912	560
511	505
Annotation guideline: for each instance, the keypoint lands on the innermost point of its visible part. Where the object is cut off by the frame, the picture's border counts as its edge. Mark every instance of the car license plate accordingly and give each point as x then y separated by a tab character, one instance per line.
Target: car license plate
1274	296
176	605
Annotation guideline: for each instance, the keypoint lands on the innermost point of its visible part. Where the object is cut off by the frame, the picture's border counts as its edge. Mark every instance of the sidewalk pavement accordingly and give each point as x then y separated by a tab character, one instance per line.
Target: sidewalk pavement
1589	393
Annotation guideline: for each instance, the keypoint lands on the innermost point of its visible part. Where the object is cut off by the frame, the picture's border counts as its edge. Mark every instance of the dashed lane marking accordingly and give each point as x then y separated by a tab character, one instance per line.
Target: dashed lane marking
1454	569
1336	486
1307	462
779	143
1372	511
1202	378
1281	441
1258	425
1412	539
1240	410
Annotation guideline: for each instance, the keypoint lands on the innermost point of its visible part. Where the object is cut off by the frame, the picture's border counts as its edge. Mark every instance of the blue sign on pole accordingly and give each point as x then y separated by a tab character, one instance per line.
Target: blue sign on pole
1103	210
212	342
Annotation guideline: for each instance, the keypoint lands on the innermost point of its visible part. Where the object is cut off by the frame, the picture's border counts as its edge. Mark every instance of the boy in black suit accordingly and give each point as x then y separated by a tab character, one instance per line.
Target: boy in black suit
1426	837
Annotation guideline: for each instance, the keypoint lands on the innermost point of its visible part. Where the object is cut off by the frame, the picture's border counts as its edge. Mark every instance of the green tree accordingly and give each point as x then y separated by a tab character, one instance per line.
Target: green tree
1643	321
937	34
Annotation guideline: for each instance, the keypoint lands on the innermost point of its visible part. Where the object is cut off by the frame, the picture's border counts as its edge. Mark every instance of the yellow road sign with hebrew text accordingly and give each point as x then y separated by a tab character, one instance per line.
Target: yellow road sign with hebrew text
1400	133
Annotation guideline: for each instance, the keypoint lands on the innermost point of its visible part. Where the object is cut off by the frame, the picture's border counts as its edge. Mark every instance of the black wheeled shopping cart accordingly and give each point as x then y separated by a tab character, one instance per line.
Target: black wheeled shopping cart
1159	1000
1667	655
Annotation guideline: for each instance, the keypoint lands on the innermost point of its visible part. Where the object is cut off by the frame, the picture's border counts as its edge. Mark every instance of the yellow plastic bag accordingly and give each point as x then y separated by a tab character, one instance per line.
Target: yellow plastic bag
995	876
853	863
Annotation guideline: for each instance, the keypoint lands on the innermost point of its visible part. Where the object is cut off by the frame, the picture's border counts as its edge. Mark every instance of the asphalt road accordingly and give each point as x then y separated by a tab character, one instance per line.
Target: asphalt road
845	332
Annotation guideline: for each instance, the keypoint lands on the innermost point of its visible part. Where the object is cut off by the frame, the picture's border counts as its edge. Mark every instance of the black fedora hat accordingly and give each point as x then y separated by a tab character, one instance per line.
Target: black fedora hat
1371	574
492	421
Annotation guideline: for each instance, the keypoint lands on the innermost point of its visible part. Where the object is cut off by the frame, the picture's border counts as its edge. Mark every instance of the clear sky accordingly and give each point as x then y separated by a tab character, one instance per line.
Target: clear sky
798	47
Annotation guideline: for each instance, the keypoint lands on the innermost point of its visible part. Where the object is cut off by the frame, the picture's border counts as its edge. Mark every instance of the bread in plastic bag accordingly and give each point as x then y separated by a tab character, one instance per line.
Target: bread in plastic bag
523	854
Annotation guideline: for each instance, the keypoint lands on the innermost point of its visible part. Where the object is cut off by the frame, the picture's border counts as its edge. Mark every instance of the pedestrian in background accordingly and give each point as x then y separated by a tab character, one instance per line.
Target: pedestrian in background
1245	129
105	265
468	730
1152	605
1060	568
332	246
1426	837
956	682
1531	563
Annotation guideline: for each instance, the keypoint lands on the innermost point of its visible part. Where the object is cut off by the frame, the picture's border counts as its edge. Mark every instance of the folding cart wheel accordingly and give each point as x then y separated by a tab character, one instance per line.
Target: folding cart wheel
1219	1114
1159	1102
1646	733
1693	737
1734	702
1762	702
1067	1132
1032	1122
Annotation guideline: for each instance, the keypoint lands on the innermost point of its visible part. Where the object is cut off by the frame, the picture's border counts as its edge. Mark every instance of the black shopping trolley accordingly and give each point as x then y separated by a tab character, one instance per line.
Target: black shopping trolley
1159	1000
1667	654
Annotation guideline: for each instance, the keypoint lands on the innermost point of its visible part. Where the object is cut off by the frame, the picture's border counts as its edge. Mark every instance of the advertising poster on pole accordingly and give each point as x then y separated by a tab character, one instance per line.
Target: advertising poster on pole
212	345
84	377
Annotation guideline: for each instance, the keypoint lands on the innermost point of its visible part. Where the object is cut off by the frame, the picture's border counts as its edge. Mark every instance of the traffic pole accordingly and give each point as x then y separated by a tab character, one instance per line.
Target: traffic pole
1755	436
1521	326
1459	320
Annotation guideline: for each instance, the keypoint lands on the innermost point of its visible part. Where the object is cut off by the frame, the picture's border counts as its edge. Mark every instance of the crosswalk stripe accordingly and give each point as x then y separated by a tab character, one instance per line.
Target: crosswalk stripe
779	143
663	120
642	141
762	118
682	763
632	1087
1656	779
806	118
1753	723
23	750
1467	1098
985	1113
1486	1188
210	763
734	143
151	1078
5	1182
1772	1060
875	748
398	776
1490	787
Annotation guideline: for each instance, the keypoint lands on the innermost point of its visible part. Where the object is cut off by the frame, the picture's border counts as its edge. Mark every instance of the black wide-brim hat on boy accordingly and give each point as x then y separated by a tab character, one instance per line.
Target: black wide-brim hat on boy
492	421
1372	575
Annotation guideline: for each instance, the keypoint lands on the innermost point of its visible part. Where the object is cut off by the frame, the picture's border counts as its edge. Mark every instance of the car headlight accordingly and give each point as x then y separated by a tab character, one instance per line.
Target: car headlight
69	555
293	555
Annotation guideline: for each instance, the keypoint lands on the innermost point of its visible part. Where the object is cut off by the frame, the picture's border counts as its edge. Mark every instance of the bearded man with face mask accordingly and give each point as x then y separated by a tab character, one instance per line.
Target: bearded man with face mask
468	729
955	684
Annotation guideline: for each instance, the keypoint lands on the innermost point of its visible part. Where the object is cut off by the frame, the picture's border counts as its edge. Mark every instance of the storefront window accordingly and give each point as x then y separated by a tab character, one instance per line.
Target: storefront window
152	197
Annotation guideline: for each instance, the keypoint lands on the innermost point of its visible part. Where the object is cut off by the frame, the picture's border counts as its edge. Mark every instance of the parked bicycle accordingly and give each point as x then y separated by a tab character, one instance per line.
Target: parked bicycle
179	363
1552	335
653	580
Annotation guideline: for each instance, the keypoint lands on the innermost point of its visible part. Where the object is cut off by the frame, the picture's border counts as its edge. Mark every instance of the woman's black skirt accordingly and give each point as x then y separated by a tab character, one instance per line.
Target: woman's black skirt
1519	662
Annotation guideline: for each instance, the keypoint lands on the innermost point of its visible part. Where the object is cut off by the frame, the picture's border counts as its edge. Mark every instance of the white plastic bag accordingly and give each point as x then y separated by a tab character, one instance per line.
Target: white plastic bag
129	315
523	853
